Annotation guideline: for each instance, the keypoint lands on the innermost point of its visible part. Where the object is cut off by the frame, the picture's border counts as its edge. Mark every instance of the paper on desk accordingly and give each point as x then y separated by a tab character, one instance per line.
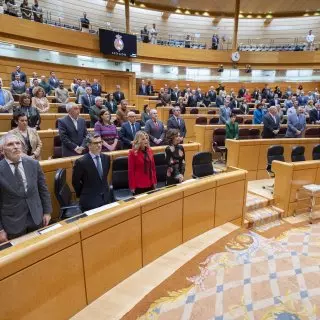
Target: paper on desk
188	181
140	195
100	209
51	228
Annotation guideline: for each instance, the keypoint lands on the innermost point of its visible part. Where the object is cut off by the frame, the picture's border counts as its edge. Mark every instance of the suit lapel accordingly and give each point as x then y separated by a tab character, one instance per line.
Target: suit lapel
8	175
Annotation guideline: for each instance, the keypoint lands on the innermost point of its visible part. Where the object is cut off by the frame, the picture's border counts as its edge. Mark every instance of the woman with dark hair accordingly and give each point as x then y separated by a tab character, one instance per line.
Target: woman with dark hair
108	131
29	138
145	115
175	157
32	113
141	167
232	128
111	104
40	100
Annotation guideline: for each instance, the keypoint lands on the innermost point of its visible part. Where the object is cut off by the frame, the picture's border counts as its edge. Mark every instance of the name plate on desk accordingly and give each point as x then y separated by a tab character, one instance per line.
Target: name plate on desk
188	181
153	191
50	228
129	199
100	209
83	215
141	195
6	246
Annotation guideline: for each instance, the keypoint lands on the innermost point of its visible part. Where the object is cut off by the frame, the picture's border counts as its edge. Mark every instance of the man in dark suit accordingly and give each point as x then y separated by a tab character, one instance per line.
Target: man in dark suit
275	101
96	88
150	89
118	95
143	88
200	96
176	122
53	81
90	172
192	100
17	86
25	203
23	77
271	123
87	100
315	114
72	131
155	129
165	98
241	91
212	95
175	94
128	130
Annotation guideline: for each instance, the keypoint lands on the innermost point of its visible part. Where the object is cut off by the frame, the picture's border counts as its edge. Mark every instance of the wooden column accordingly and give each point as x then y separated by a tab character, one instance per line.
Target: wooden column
235	28
127	8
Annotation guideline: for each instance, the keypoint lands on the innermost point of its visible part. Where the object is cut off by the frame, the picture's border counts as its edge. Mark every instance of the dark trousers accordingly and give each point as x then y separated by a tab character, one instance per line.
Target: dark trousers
30	227
142	190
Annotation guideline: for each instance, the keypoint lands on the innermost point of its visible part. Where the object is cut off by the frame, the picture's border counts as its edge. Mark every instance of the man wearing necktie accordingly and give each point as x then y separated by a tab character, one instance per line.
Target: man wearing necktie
25	200
296	124
87	100
118	95
96	88
129	130
315	114
142	88
176	122
89	177
155	129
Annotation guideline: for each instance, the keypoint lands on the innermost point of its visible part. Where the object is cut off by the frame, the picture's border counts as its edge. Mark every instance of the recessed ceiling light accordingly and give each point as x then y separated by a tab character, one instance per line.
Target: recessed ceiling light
205	14
187	12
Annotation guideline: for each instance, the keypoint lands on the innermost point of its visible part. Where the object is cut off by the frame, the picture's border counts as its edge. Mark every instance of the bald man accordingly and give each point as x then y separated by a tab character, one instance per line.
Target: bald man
129	130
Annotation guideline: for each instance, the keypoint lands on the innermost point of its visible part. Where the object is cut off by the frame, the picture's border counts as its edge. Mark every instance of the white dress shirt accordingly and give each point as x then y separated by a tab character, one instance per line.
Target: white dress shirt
21	169
75	122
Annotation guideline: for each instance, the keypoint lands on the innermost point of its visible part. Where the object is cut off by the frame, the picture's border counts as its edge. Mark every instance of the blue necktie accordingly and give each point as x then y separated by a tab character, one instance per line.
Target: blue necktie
99	166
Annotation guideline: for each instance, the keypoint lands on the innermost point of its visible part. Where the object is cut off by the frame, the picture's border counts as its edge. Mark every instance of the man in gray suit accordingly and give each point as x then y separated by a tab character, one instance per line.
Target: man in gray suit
225	112
6	100
17	86
176	122
296	124
25	203
155	129
72	131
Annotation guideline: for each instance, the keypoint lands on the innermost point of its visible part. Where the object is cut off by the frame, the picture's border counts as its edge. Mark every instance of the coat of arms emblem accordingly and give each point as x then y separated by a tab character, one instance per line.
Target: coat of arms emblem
118	43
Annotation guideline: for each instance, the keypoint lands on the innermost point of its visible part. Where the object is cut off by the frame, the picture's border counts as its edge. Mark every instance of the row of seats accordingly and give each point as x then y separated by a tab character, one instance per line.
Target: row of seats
269	48
119	189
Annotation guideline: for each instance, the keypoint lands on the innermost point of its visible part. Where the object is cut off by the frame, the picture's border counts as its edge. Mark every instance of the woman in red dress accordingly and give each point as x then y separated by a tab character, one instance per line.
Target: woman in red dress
141	166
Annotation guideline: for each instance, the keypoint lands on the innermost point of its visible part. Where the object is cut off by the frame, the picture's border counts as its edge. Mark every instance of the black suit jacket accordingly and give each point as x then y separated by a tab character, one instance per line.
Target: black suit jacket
212	96
314	115
89	187
141	91
175	96
87	102
192	101
118	96
149	90
70	136
173	124
96	90
126	134
269	125
23	77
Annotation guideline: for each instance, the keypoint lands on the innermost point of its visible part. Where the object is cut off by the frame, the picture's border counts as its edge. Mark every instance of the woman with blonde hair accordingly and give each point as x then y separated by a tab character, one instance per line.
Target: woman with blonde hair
39	101
141	167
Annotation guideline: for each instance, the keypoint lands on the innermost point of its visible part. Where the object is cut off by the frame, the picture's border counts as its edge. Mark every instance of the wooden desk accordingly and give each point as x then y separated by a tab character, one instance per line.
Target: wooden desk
289	178
251	155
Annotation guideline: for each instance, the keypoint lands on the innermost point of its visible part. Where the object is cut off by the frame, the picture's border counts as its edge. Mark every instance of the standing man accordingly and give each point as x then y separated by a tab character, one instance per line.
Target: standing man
150	91
122	113
96	88
17	86
62	94
90	174
165	98
18	71
81	90
271	123
212	94
118	95
87	100
142	88
25	203
85	23
225	112
296	124
45	85
176	122
153	34
37	12
129	130
53	81
145	35
72	131
310	40
155	129
6	100
315	114
175	94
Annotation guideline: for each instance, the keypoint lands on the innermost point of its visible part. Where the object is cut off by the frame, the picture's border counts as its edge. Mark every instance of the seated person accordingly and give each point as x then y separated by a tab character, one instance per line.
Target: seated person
95	111
232	128
35	85
175	157
155	129
39	101
122	113
182	104
165	98
32	113
111	104
145	115
45	86
129	130
108	132
6	100
141	167
28	137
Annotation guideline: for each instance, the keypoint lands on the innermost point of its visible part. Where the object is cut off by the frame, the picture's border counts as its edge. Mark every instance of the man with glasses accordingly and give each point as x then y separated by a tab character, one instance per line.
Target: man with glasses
90	172
129	130
176	122
72	131
155	129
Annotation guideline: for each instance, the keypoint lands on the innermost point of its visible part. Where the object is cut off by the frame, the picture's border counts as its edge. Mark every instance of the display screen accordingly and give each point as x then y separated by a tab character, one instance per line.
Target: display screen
117	43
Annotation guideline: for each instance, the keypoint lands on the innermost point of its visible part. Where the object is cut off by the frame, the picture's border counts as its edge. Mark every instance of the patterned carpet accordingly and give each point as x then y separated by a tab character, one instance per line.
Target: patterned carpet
253	277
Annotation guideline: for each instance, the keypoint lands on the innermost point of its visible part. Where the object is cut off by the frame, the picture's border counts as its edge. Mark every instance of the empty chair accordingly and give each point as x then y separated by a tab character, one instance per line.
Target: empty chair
244	133
202	165
247	121
312	133
236	111
161	168
218	144
68	208
213	120
202	120
254	134
57	149
212	112
297	154
62	109
120	184
239	120
316	152
194	111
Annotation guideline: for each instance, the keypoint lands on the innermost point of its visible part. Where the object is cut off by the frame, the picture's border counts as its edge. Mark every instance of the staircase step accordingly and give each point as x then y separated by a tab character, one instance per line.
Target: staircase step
263	216
255	202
